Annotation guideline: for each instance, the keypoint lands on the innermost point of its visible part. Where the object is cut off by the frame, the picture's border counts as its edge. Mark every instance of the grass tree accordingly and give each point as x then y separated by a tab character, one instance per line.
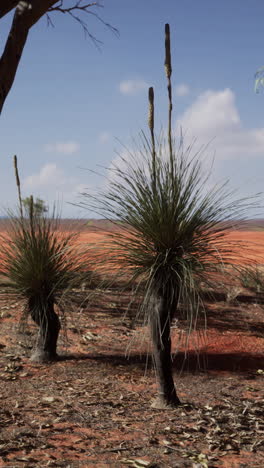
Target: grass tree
42	264
173	234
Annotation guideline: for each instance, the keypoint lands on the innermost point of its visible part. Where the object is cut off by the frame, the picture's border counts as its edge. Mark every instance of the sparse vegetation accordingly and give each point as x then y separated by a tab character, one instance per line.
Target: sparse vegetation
42	265
253	278
164	263
173	234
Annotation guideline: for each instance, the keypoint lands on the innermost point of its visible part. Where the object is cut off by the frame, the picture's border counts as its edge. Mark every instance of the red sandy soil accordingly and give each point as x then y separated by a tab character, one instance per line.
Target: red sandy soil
93	407
249	244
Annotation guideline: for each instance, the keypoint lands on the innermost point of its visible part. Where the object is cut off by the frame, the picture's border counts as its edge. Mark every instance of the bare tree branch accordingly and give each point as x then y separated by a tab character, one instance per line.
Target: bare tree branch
83	7
27	13
34	9
76	6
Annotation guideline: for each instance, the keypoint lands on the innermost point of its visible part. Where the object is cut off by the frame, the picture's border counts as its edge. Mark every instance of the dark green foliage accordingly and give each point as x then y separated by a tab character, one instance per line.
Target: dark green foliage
172	233
43	264
173	236
39	260
39	206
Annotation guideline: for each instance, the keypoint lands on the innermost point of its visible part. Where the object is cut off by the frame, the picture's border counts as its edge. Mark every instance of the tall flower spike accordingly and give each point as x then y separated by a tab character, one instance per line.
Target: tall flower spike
18	186
168	71
16	172
168	68
153	148
151	109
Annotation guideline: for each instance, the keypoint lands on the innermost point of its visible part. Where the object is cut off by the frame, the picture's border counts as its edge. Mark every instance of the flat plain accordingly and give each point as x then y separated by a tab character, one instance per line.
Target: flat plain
93	407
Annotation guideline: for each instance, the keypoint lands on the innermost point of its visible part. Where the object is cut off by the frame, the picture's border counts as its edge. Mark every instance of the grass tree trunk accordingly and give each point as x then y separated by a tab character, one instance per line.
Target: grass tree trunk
161	339
48	321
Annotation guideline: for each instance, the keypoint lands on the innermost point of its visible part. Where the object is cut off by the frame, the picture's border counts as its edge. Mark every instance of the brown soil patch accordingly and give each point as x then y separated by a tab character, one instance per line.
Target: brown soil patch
93	407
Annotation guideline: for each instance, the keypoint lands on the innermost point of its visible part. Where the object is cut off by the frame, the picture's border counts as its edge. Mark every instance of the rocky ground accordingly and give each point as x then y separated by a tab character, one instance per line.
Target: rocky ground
93	407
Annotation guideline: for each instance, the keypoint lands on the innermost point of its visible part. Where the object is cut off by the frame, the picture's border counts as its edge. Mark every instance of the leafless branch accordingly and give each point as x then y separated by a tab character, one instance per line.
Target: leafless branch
27	13
79	6
76	6
49	21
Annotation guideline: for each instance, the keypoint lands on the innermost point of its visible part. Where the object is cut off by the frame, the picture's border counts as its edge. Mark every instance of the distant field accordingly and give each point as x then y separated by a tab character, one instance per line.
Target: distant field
73	224
250	235
102	224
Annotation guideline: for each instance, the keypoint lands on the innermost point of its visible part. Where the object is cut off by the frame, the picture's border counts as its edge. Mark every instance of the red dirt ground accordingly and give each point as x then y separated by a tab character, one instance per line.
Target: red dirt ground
93	407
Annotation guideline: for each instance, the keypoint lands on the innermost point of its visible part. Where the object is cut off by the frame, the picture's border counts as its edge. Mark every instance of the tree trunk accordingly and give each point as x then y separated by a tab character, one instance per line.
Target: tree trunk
49	327
25	16
161	337
11	57
6	6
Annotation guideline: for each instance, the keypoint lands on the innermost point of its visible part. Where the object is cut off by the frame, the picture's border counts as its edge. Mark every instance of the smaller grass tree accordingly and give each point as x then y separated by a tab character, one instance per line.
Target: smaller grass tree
42	264
172	234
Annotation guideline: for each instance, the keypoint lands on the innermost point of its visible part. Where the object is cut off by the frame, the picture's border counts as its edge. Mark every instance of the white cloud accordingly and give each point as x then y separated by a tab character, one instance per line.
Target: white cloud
214	116
49	175
132	87
182	90
53	184
66	147
213	123
53	180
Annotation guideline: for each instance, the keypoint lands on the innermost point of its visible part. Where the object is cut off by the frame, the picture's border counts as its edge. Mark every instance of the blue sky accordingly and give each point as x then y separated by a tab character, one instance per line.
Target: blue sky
70	103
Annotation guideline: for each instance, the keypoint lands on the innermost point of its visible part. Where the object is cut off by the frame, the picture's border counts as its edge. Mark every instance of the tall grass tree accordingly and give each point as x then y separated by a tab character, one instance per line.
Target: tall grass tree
172	234
42	264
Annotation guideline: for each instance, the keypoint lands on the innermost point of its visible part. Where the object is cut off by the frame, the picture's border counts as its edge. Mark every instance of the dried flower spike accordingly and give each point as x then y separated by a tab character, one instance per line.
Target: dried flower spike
18	186
151	109
16	171
168	68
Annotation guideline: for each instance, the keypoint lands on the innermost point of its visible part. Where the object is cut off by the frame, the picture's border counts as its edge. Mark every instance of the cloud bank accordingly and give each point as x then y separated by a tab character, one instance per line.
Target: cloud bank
214	116
48	176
